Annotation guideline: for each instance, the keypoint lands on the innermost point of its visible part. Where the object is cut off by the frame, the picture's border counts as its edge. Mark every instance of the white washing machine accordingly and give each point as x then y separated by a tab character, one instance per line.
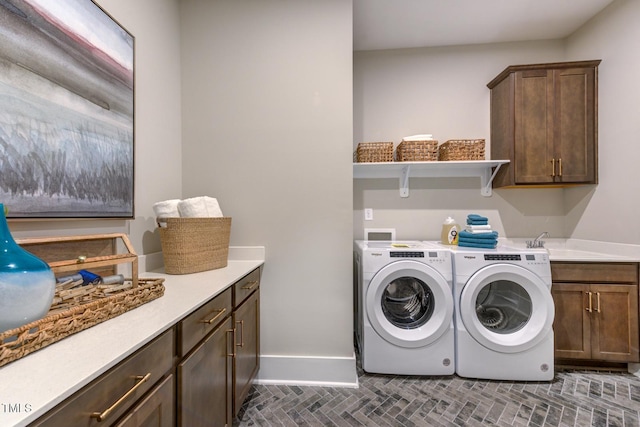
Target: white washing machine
504	313
404	308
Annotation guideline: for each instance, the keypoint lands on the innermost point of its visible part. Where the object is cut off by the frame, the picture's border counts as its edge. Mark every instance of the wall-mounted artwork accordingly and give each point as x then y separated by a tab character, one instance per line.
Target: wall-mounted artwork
66	111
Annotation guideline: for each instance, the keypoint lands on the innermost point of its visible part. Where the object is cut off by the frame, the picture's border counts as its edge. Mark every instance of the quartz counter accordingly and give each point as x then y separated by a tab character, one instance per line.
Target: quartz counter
577	250
31	386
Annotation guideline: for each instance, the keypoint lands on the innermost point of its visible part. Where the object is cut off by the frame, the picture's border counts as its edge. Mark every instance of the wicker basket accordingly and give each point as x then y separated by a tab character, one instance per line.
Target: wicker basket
94	307
191	245
417	151
462	149
372	152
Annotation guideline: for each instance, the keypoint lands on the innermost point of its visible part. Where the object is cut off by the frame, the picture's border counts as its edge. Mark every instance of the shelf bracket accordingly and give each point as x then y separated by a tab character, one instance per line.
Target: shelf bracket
486	179
404	181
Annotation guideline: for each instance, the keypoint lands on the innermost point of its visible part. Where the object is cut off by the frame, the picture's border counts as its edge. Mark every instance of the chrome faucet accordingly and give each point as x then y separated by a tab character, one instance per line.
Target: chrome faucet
537	242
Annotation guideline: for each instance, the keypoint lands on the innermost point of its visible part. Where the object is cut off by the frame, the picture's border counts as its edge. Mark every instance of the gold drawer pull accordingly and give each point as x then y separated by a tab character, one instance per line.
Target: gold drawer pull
233	342
559	167
214	318
101	416
590	307
553	167
252	284
598	301
241	323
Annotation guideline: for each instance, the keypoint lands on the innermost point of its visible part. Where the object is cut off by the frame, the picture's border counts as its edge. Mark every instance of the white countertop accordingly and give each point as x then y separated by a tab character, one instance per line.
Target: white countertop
578	250
31	386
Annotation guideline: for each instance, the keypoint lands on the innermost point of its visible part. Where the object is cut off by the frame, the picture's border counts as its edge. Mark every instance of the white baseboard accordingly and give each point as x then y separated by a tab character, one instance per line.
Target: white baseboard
308	371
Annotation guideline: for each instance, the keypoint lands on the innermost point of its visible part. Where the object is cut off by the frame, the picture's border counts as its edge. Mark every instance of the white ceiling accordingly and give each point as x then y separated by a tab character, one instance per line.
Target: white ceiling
393	24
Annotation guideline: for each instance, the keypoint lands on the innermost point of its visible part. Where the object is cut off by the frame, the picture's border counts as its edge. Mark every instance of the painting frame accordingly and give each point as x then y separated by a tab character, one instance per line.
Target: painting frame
67	103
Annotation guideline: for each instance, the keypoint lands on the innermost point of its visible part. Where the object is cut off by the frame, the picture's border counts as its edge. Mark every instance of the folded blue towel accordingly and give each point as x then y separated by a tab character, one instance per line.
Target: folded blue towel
477	245
464	234
476	217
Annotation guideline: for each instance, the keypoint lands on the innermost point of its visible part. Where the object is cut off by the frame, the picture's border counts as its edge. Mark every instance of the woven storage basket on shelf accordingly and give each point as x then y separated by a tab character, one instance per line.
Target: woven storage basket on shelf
373	152
462	149
417	151
191	245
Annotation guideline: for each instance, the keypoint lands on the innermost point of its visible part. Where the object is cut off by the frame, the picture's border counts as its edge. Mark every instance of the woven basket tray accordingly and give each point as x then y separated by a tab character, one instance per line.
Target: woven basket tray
417	151
92	308
373	152
462	149
191	245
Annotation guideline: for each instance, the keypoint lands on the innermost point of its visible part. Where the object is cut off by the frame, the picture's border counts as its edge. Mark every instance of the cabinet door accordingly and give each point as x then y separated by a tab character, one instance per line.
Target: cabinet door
155	410
534	126
615	323
247	360
575	133
571	326
204	382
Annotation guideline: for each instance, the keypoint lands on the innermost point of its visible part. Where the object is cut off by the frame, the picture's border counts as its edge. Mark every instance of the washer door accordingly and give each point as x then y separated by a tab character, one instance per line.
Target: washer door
409	304
506	308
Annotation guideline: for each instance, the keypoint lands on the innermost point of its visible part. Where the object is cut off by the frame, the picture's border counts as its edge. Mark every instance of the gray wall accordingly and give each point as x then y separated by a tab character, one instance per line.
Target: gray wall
267	129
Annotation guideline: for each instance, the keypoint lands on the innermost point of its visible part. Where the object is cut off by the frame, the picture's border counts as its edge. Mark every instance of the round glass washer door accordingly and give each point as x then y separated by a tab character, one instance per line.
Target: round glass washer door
506	308
409	304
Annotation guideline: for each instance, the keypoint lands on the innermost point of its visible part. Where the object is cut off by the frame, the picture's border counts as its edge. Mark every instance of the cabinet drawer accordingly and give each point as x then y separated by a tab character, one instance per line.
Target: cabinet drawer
594	272
107	398
195	327
245	287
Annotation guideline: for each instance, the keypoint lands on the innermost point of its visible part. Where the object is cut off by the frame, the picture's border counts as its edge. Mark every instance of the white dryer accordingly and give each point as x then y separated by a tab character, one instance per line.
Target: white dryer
404	308
504	314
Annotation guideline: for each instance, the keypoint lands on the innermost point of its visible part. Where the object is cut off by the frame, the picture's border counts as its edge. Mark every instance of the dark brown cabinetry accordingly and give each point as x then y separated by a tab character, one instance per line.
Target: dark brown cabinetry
198	373
246	318
544	120
138	391
596	311
204	373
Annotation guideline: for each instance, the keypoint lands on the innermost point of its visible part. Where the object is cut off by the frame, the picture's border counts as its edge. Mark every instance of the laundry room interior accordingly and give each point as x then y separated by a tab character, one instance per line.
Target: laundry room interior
263	105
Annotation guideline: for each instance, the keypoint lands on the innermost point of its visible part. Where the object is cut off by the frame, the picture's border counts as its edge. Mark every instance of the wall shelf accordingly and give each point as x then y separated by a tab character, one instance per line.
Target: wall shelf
405	170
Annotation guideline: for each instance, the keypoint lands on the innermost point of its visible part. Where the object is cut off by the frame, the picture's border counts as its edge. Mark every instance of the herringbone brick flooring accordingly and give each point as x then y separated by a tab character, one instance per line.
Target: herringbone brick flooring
573	398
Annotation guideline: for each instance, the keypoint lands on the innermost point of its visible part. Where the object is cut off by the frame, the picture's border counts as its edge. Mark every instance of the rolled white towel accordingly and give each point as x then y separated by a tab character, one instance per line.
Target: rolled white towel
166	209
200	207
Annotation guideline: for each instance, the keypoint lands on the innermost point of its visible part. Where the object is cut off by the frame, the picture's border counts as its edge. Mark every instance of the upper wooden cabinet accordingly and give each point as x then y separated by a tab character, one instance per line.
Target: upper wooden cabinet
544	120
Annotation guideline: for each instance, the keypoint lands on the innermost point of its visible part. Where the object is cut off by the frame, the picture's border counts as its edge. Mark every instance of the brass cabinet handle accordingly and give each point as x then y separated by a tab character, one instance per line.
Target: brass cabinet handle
559	167
233	341
241	323
590	307
553	167
250	285
598	301
214	318
101	416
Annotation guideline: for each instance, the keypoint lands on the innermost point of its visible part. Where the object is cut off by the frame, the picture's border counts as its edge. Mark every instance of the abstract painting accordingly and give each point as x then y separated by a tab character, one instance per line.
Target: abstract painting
66	111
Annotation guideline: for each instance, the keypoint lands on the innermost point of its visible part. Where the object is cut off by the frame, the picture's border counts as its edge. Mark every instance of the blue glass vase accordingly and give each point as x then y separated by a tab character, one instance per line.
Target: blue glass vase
27	284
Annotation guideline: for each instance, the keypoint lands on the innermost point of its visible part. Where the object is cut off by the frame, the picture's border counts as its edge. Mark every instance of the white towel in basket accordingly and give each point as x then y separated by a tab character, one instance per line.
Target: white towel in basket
200	207
423	137
166	209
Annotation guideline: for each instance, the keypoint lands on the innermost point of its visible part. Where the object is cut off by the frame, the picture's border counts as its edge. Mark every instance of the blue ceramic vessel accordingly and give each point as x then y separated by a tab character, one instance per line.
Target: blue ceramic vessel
27	284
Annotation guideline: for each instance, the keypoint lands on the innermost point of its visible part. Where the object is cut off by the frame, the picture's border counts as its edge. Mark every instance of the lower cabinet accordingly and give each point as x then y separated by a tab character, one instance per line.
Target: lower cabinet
596	316
198	373
139	391
219	352
247	354
204	388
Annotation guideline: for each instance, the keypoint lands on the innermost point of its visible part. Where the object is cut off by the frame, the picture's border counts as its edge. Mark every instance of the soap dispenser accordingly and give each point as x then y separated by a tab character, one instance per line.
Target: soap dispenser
450	230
